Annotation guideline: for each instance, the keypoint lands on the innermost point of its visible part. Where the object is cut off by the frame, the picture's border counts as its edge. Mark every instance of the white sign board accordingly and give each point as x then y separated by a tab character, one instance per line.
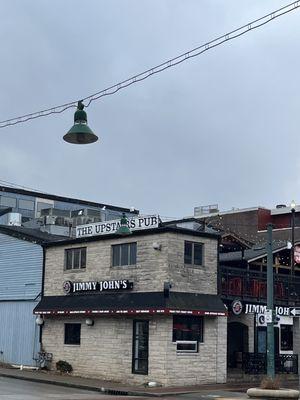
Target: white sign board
268	316
108	227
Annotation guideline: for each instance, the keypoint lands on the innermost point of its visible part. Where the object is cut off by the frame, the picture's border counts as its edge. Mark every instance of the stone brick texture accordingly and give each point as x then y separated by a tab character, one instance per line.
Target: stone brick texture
105	351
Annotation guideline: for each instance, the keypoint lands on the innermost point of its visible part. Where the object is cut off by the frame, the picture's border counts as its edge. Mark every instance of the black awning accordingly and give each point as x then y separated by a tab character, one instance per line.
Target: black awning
133	303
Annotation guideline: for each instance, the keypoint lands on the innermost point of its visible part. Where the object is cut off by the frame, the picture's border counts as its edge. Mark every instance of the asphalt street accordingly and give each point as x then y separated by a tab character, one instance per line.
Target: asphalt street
16	389
210	395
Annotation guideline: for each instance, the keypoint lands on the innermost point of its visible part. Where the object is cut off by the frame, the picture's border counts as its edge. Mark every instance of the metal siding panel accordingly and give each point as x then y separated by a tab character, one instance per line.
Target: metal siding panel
19	334
21	265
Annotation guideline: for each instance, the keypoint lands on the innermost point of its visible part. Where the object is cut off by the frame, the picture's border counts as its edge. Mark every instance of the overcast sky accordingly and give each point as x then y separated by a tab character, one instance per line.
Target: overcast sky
221	128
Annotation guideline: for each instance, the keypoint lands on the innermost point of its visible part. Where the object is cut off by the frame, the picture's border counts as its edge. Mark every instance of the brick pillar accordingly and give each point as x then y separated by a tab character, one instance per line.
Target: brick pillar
221	356
296	339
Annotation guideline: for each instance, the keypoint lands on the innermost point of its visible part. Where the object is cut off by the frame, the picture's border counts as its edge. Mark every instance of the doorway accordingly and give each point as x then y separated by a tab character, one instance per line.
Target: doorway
237	343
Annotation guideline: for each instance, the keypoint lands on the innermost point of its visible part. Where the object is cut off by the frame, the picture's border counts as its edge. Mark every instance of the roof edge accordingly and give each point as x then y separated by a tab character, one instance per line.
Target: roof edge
162	229
63	198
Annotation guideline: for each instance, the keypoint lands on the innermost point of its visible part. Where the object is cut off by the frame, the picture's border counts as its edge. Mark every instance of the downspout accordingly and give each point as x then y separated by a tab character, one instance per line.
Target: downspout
42	292
218	268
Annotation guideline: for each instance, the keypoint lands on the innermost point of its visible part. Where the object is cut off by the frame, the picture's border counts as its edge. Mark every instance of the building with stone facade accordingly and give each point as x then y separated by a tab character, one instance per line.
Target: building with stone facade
136	308
243	288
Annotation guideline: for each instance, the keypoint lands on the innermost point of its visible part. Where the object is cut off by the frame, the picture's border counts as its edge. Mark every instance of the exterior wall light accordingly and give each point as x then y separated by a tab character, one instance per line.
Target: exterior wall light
39	320
80	133
89	322
156	246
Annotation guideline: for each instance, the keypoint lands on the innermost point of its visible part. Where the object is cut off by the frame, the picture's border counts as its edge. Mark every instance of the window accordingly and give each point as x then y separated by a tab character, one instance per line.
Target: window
193	253
140	347
261	339
187	328
286	341
124	254
43	206
26	204
8	201
72	333
75	258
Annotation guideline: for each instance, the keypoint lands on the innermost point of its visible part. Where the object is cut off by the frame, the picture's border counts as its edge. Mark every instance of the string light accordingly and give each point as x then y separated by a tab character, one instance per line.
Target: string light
197	51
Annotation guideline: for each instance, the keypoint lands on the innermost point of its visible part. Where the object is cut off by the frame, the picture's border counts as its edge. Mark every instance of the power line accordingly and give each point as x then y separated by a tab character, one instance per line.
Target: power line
159	68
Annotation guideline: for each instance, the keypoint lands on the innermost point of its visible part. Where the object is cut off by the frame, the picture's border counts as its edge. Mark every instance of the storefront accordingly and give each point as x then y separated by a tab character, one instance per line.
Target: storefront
247	331
136	309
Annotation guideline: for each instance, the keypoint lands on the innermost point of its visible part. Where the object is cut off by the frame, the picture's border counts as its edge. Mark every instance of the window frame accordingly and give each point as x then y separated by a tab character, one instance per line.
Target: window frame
290	344
192	263
72	251
26	201
129	256
8	205
68	324
135	351
192	320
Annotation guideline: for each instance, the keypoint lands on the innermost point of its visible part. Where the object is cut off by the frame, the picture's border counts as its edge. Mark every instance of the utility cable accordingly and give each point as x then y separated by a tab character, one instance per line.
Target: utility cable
159	68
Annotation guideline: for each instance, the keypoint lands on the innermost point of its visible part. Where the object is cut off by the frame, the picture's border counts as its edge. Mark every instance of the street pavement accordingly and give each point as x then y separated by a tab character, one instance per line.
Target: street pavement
15	389
209	395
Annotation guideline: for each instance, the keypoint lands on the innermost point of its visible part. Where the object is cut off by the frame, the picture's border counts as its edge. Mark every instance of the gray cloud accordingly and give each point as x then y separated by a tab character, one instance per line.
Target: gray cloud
223	127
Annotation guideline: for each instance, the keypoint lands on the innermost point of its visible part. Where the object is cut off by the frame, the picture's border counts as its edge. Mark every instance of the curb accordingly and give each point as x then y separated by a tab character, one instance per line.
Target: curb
113	392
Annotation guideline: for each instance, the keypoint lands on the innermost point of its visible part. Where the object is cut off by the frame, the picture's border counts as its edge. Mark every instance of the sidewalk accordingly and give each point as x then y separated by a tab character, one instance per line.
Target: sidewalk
115	388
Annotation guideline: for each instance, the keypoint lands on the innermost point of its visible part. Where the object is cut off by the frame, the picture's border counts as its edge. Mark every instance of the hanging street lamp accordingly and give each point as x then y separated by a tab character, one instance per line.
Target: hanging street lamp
293	209
270	305
80	133
123	229
293	296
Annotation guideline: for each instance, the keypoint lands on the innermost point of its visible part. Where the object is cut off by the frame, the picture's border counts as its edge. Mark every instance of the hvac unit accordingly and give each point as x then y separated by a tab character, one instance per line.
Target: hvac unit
186	346
49	220
14	219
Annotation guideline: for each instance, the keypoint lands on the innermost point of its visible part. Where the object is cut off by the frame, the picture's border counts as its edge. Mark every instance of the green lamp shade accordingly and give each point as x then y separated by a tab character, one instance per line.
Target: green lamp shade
80	133
124	230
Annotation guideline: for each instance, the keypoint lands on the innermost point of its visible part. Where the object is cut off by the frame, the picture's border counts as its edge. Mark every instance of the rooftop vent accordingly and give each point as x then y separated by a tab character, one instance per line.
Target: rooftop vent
14	219
203	210
281	206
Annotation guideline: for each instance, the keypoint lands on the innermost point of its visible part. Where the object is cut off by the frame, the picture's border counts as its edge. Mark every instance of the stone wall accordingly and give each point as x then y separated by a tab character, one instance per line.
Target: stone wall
206	366
152	269
105	351
187	278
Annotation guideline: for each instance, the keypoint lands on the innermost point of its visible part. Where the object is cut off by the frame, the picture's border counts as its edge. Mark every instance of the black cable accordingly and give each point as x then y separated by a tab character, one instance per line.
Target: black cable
159	68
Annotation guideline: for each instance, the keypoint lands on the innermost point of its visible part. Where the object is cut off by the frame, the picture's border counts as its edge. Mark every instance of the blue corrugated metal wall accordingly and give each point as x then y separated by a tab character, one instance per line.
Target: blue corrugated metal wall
21	264
19	334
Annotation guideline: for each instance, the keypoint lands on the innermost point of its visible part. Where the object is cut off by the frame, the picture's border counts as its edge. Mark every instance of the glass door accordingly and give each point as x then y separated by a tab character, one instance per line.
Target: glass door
140	347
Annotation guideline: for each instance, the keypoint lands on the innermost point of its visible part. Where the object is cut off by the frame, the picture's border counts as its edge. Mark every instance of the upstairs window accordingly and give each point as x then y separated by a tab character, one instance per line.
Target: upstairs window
26	204
124	254
75	258
42	206
193	253
6	201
